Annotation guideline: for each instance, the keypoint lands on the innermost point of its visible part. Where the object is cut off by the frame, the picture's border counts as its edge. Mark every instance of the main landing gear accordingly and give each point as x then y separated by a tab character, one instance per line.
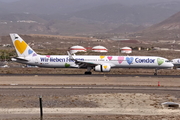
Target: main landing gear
156	70
88	72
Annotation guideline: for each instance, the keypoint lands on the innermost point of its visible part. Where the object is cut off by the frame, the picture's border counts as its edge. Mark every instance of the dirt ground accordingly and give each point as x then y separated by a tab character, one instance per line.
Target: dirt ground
90	80
59	71
132	98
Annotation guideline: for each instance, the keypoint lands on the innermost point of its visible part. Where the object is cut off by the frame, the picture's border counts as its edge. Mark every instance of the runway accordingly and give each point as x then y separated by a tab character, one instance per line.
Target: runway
91	87
87	95
95	75
84	89
85	100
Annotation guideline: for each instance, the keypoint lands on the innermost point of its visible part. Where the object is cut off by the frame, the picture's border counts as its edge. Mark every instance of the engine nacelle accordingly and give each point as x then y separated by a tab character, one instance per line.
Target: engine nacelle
102	68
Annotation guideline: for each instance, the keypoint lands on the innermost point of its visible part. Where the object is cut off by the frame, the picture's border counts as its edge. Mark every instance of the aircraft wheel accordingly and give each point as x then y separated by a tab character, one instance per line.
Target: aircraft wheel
175	67
87	73
155	74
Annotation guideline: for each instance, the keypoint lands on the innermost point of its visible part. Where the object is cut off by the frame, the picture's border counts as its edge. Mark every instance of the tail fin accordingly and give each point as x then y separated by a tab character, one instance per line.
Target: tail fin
22	48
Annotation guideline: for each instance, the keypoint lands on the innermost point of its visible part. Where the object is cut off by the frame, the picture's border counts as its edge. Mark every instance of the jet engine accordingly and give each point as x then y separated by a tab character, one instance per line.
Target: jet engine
102	68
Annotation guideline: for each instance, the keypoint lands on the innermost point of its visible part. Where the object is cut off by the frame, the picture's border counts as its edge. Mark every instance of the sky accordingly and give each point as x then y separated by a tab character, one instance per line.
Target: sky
8	0
135	2
129	2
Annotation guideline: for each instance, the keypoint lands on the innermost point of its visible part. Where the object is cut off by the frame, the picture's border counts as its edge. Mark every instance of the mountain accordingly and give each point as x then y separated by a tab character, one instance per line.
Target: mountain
118	13
165	30
127	28
82	16
172	23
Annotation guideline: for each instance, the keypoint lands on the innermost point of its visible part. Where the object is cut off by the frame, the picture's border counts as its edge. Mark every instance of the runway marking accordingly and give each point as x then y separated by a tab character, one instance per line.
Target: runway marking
95	75
107	111
90	87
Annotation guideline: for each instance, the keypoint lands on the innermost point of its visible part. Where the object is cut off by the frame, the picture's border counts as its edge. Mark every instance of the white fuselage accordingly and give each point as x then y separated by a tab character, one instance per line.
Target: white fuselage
176	62
63	61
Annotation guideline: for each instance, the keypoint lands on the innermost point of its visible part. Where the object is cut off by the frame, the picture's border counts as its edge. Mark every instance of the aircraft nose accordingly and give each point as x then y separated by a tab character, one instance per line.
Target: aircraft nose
171	65
172	61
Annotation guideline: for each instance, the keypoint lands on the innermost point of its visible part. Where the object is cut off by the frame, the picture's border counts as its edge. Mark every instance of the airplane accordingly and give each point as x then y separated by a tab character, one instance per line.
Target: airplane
176	62
27	55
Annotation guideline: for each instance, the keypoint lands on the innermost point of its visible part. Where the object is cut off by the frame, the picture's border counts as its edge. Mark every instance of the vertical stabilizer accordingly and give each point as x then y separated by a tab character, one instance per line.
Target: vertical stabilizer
22	48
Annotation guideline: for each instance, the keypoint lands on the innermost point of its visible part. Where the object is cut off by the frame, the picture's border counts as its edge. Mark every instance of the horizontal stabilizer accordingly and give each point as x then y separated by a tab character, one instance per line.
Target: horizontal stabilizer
19	59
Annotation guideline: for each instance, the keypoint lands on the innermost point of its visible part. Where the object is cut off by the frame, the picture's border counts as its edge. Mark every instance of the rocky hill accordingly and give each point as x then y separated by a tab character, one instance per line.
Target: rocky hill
172	23
82	17
165	30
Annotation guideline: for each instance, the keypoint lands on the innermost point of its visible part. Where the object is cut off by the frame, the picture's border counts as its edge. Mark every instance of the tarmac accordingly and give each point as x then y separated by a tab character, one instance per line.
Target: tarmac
92	97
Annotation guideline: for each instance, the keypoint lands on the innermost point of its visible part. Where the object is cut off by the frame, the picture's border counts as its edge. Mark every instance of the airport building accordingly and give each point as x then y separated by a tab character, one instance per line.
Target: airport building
99	49
77	48
126	50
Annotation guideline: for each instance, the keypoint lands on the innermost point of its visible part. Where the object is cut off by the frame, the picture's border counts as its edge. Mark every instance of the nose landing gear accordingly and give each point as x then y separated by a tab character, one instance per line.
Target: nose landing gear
156	70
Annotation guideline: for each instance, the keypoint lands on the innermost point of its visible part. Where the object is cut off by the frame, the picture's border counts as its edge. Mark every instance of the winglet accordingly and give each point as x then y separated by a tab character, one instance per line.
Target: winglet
70	56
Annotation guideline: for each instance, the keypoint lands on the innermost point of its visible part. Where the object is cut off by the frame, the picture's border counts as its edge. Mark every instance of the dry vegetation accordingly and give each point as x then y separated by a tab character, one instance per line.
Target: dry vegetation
54	44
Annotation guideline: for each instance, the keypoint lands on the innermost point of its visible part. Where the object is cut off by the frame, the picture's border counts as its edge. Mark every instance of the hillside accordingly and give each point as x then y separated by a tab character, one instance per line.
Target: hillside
172	23
118	13
84	17
165	30
127	28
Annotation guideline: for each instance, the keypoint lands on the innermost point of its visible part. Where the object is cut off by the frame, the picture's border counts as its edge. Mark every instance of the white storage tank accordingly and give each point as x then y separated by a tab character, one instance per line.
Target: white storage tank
99	49
77	48
126	50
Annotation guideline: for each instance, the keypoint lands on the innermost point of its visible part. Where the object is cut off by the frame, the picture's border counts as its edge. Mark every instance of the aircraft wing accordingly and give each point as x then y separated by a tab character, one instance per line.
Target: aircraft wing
82	64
